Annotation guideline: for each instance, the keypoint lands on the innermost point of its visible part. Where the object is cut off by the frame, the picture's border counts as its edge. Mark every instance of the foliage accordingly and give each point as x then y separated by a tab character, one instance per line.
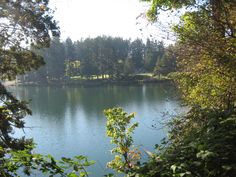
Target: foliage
23	23
72	68
199	144
24	27
166	64
153	53
202	142
12	111
31	163
120	131
136	52
207	76
129	67
95	57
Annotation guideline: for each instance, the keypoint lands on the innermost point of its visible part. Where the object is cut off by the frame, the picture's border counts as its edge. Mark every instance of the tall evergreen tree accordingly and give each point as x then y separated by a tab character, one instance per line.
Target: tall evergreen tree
70	50
153	52
136	52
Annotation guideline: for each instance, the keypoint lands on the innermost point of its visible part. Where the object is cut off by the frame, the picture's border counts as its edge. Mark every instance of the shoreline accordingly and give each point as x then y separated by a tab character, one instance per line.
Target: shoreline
94	82
9	83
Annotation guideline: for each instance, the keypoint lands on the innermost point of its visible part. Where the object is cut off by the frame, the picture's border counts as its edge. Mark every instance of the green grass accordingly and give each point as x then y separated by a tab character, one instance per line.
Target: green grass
99	77
145	74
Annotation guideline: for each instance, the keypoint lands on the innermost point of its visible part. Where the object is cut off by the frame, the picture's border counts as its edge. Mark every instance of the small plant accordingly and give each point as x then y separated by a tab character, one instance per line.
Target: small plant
120	129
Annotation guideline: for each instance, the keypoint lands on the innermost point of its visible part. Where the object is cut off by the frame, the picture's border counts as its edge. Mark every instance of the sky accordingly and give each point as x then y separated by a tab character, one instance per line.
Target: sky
91	18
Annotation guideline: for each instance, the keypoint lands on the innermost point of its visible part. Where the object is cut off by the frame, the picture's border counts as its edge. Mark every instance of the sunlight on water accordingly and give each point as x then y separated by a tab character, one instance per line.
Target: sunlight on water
68	121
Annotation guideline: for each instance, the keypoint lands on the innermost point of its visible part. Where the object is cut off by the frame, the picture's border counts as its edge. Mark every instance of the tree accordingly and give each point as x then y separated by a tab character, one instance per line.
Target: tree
72	68
136	53
19	27
100	56
120	53
55	60
129	67
167	63
24	25
87	56
201	143
206	52
70	50
153	53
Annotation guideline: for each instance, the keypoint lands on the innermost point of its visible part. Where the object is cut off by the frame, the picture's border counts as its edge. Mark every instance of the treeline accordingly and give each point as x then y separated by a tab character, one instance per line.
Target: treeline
102	57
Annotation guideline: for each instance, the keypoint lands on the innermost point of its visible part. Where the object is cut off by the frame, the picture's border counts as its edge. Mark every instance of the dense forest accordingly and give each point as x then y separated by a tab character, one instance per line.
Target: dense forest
200	143
102	57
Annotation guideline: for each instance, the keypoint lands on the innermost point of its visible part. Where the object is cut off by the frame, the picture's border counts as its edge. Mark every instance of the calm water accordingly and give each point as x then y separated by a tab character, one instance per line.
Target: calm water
69	121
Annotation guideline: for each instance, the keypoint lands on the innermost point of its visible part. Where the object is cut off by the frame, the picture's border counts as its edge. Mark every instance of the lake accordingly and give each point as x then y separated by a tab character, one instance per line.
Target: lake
69	121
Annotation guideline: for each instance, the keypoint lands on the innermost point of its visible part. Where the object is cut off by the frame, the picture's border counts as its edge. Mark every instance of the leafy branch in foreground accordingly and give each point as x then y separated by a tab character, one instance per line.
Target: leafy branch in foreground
120	129
201	143
32	163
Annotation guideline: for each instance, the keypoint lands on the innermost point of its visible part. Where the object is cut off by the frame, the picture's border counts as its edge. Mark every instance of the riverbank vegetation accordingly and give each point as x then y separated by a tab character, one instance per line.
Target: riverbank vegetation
202	142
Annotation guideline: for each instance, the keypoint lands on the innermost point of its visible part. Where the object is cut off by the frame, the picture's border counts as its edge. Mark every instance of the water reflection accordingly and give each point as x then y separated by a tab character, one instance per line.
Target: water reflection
69	120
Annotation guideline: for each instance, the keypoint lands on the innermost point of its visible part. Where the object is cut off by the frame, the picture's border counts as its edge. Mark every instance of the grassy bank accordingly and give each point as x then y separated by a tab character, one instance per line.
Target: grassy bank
103	80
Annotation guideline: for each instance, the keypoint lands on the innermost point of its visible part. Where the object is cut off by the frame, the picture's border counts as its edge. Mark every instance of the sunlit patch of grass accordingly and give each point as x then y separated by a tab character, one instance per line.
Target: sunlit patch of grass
145	74
92	77
161	77
139	76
